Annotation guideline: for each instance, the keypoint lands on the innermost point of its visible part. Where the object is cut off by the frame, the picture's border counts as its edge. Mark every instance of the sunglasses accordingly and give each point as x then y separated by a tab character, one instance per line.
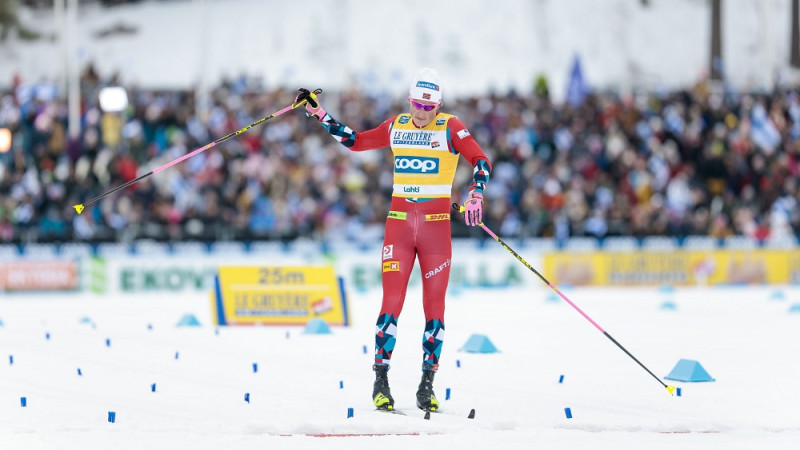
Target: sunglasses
422	106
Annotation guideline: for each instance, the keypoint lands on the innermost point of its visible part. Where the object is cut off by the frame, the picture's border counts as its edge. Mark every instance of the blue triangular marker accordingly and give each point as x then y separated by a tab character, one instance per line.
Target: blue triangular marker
188	320
317	326
669	305
689	370
777	295
479	343
666	289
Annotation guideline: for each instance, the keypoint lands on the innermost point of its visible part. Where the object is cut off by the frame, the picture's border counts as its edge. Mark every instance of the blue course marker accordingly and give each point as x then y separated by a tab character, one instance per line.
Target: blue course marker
568	412
255	367
349	412
23	401
112	416
561	379
153	387
247	397
447	394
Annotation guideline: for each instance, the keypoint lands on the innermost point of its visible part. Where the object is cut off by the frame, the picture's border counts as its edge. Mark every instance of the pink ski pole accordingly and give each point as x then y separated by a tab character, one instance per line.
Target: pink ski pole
80	207
670	389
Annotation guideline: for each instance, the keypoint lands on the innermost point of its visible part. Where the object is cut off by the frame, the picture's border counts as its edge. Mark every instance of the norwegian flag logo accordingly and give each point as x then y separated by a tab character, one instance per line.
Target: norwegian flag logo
426	96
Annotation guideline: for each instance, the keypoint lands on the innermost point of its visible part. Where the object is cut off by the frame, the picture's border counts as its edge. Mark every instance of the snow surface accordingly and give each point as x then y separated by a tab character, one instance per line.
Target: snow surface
745	337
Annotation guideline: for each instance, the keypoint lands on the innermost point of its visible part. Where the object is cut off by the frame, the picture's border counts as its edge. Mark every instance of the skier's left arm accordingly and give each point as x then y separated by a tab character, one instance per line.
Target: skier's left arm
356	141
466	146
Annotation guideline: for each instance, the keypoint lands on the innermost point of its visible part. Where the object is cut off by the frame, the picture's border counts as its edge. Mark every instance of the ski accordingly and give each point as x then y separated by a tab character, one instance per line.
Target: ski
427	416
391	411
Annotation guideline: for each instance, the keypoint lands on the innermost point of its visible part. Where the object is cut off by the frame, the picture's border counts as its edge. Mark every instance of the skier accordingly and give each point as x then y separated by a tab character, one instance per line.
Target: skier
426	144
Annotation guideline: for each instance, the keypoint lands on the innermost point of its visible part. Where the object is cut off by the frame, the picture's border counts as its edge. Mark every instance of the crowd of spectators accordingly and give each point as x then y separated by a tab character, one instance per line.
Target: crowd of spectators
692	162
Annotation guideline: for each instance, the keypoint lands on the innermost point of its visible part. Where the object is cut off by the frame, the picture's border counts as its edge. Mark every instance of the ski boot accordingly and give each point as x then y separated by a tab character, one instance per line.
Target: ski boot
381	395
426	399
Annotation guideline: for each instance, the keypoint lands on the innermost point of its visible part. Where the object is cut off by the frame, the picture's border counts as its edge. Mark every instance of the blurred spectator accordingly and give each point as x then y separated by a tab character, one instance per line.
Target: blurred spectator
682	163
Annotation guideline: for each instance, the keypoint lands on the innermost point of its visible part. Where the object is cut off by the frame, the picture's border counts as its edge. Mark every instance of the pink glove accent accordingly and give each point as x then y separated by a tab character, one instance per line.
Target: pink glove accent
473	209
317	112
310	97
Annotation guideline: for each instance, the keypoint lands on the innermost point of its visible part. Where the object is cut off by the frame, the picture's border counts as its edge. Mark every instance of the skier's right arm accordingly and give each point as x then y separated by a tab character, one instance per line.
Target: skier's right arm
363	140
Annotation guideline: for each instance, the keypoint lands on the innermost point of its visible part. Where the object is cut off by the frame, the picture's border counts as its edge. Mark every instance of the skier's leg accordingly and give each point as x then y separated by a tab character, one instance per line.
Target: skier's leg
397	261
434	247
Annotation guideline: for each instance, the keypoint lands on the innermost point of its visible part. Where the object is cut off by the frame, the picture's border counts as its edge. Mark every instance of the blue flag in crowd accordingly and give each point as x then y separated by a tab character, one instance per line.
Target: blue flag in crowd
577	88
762	131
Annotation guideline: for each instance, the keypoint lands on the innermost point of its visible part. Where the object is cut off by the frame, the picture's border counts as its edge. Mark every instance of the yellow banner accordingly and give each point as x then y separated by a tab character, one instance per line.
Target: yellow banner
278	295
675	267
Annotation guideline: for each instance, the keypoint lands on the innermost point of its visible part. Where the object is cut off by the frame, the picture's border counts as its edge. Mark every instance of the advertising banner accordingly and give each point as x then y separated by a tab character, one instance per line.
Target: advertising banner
39	276
278	295
674	267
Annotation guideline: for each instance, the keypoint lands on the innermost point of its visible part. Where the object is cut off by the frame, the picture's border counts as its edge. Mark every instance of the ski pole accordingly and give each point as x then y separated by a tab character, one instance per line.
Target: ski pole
80	207
670	389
